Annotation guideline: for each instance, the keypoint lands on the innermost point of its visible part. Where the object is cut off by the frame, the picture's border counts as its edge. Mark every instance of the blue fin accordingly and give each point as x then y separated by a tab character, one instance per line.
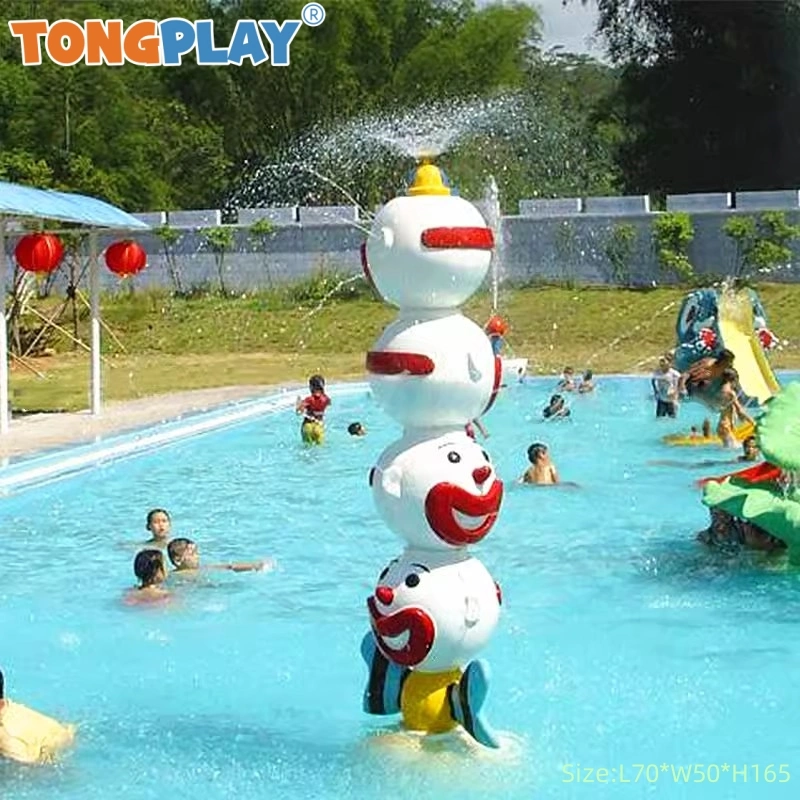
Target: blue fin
385	684
466	701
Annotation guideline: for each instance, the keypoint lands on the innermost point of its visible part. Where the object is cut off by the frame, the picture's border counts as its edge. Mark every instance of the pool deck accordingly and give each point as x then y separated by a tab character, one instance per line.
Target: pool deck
37	432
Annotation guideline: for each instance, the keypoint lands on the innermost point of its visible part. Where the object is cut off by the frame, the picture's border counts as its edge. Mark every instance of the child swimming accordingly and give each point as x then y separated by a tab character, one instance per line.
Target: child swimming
730	408
150	569
159	524
567	382
542	470
185	557
556	409
750	451
356	429
313	407
587	383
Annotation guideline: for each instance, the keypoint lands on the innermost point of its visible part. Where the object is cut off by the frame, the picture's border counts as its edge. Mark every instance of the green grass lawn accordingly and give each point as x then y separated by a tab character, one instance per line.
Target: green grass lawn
170	344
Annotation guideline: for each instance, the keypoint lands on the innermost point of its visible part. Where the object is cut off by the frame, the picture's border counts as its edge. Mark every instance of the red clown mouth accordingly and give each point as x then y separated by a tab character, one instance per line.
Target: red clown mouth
405	637
460	518
384	362
458	238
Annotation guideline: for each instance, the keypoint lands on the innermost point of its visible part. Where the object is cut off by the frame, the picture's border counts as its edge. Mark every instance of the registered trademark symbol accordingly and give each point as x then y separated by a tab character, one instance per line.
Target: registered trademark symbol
313	14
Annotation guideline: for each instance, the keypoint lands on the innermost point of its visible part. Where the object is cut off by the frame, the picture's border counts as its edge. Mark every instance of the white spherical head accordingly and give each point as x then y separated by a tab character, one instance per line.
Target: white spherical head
433	611
439	492
433	372
428	251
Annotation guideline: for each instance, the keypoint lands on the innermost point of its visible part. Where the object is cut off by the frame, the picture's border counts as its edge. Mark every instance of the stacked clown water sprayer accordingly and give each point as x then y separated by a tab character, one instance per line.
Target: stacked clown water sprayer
433	370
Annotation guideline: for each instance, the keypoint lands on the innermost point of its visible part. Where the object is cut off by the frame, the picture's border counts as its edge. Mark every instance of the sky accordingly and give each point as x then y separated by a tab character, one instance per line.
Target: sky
570	26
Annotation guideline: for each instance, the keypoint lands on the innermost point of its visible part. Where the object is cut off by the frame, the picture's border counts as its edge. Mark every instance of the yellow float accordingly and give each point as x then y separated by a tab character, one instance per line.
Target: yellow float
689	440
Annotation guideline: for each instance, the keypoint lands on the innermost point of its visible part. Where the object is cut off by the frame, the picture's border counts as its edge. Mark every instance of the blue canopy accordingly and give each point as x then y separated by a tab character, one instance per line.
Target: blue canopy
24	201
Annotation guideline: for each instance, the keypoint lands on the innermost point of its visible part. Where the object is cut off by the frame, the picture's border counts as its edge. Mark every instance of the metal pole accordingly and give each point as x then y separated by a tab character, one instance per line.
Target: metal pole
94	302
4	411
493	219
495	283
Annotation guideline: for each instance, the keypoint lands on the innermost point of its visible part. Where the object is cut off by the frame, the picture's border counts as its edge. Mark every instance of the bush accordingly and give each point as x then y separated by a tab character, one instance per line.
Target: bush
565	241
326	284
762	244
619	249
672	234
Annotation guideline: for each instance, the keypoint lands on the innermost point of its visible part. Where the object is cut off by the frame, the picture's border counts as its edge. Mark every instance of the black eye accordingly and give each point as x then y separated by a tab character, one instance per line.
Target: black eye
453	457
383	574
486	456
412	580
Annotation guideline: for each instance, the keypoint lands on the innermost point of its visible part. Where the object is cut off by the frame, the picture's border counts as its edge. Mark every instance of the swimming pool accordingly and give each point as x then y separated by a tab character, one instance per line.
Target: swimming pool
621	641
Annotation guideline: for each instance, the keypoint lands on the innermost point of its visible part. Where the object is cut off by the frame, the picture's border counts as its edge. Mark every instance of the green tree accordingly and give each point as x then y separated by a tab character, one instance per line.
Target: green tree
259	233
170	239
708	95
762	244
470	56
672	235
219	240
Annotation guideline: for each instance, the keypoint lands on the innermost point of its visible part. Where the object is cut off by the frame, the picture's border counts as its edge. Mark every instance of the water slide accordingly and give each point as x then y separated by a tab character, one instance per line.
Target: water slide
735	322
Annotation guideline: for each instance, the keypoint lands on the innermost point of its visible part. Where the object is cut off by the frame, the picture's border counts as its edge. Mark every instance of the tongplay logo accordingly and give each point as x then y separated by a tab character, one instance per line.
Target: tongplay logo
152	43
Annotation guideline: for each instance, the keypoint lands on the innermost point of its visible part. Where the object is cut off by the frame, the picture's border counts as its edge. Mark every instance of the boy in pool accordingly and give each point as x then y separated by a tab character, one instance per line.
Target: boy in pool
750	451
313	407
557	408
150	569
567	382
542	470
356	429
185	557
159	524
730	408
587	383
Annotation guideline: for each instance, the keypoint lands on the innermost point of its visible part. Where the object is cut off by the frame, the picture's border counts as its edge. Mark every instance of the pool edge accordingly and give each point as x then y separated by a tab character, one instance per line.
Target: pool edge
47	465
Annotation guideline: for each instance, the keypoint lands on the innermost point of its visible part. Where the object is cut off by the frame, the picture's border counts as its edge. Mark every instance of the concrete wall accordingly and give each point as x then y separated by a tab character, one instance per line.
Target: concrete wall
558	240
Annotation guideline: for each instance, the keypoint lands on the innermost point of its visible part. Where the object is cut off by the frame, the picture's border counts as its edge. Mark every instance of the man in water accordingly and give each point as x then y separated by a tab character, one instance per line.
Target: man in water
699	379
665	380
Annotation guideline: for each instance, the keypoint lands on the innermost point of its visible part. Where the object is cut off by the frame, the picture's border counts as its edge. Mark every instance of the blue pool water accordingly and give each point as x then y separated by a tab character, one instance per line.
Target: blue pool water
621	641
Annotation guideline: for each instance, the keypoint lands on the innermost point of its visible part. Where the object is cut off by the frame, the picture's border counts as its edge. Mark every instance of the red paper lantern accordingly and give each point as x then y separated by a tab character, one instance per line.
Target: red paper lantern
126	258
39	252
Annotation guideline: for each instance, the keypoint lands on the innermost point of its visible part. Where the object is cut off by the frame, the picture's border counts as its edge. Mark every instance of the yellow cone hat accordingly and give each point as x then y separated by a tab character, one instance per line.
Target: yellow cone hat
428	179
